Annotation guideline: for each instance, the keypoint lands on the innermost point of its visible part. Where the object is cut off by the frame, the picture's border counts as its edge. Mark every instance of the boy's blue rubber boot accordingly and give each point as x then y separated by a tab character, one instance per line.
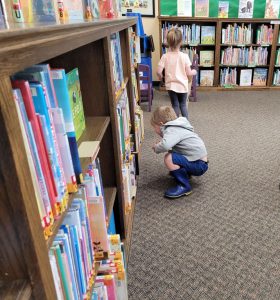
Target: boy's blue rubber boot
183	187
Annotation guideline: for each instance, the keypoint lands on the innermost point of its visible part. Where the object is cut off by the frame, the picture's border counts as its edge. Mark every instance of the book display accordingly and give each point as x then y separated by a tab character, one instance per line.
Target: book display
229	46
72	130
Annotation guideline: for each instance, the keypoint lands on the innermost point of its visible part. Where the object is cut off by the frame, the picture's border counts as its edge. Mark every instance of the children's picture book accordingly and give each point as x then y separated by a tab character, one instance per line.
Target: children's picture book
206	77
246	77
76	102
206	58
201	8
94	8
208	35
246	8
272	9
2	17
184	8
223	9
44	10
260	77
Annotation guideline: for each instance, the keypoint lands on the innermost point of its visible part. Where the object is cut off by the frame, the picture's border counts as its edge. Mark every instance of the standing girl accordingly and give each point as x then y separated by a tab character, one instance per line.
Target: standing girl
177	66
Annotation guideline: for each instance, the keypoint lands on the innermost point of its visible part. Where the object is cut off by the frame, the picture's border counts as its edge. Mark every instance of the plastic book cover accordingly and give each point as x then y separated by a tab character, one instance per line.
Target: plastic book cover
206	58
2	16
272	9
44	10
62	95
206	77
184	8
41	108
74	10
30	110
76	103
246	77
201	8
62	237
246	8
223	9
260	77
97	221
37	177
106	8
110	283
56	276
208	35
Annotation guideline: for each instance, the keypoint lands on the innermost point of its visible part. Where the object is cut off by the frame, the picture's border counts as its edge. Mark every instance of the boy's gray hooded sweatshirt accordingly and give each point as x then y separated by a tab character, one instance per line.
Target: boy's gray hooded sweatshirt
178	136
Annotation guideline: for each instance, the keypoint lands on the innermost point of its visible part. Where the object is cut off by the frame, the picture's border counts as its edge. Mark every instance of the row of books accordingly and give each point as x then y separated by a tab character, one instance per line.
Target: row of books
36	11
111	280
50	109
192	34
253	56
276	77
235	34
248	77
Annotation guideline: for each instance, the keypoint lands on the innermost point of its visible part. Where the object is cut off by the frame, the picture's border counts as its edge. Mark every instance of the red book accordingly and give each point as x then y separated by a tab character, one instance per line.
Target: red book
32	117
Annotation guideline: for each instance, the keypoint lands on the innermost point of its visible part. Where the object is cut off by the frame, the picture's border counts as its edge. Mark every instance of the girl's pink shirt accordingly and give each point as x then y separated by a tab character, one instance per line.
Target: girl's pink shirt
175	64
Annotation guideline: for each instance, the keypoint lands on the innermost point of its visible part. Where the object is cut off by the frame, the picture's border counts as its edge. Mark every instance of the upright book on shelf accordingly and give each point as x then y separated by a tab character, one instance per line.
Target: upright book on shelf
246	77
206	77
208	35
260	77
206	58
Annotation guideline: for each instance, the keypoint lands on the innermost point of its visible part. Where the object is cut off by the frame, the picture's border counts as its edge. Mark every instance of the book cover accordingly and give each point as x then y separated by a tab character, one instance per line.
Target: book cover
223	9
76	103
93	4
56	276
272	9
206	77
110	283
246	8
37	177
44	11
246	77
206	58
2	16
62	95
74	10
201	8
63	238
106	8
208	35
40	105
43	155
260	77
184	8
62	141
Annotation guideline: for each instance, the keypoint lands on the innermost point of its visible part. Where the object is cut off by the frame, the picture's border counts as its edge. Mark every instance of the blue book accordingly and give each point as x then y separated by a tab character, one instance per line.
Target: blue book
62	95
40	104
112	226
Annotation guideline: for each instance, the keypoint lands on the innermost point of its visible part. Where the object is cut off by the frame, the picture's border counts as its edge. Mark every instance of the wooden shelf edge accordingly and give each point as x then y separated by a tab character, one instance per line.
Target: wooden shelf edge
18	289
58	221
110	197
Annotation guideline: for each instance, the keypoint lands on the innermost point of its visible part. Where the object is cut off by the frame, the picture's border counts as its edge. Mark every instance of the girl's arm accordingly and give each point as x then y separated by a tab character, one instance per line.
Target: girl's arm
159	72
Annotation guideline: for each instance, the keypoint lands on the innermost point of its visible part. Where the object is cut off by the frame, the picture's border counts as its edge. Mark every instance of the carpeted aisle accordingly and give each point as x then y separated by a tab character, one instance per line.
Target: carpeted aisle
222	241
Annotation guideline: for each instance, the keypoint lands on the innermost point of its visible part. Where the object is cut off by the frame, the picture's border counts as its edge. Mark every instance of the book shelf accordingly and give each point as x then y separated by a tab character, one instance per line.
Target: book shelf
220	46
24	263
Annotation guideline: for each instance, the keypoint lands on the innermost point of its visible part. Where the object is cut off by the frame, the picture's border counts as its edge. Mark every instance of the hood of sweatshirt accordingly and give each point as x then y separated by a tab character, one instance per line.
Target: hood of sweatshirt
179	122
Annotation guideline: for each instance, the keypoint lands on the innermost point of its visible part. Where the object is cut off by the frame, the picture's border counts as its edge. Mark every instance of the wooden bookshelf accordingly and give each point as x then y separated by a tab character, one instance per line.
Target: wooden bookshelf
25	268
219	24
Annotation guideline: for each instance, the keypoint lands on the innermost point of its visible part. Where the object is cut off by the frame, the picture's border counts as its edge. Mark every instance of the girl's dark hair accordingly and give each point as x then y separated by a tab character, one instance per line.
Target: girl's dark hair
174	38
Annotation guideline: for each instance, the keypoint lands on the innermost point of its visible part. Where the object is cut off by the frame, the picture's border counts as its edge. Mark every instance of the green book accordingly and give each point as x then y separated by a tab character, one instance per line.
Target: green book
76	103
62	270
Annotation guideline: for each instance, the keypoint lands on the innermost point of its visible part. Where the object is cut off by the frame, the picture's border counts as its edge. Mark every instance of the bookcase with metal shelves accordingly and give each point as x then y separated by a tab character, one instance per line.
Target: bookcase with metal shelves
266	50
25	266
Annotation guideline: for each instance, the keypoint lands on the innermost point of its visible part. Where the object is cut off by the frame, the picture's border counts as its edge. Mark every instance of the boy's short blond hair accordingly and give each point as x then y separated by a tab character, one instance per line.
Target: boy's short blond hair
162	115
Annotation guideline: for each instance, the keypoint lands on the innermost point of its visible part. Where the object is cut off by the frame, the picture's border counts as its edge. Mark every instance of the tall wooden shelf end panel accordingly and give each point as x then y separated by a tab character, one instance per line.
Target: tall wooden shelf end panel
24	261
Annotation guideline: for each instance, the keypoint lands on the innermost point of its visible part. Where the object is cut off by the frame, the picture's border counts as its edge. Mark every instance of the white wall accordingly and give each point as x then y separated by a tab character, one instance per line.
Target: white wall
151	27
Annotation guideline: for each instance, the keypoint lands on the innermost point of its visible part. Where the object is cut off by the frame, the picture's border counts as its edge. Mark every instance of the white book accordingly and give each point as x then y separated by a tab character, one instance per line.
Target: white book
184	8
246	8
246	77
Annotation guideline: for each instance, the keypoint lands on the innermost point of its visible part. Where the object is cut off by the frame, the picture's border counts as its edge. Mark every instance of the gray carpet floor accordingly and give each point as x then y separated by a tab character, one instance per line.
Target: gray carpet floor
222	241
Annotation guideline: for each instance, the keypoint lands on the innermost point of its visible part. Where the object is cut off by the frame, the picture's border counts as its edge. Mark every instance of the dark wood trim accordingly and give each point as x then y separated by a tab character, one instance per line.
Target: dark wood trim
110	197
